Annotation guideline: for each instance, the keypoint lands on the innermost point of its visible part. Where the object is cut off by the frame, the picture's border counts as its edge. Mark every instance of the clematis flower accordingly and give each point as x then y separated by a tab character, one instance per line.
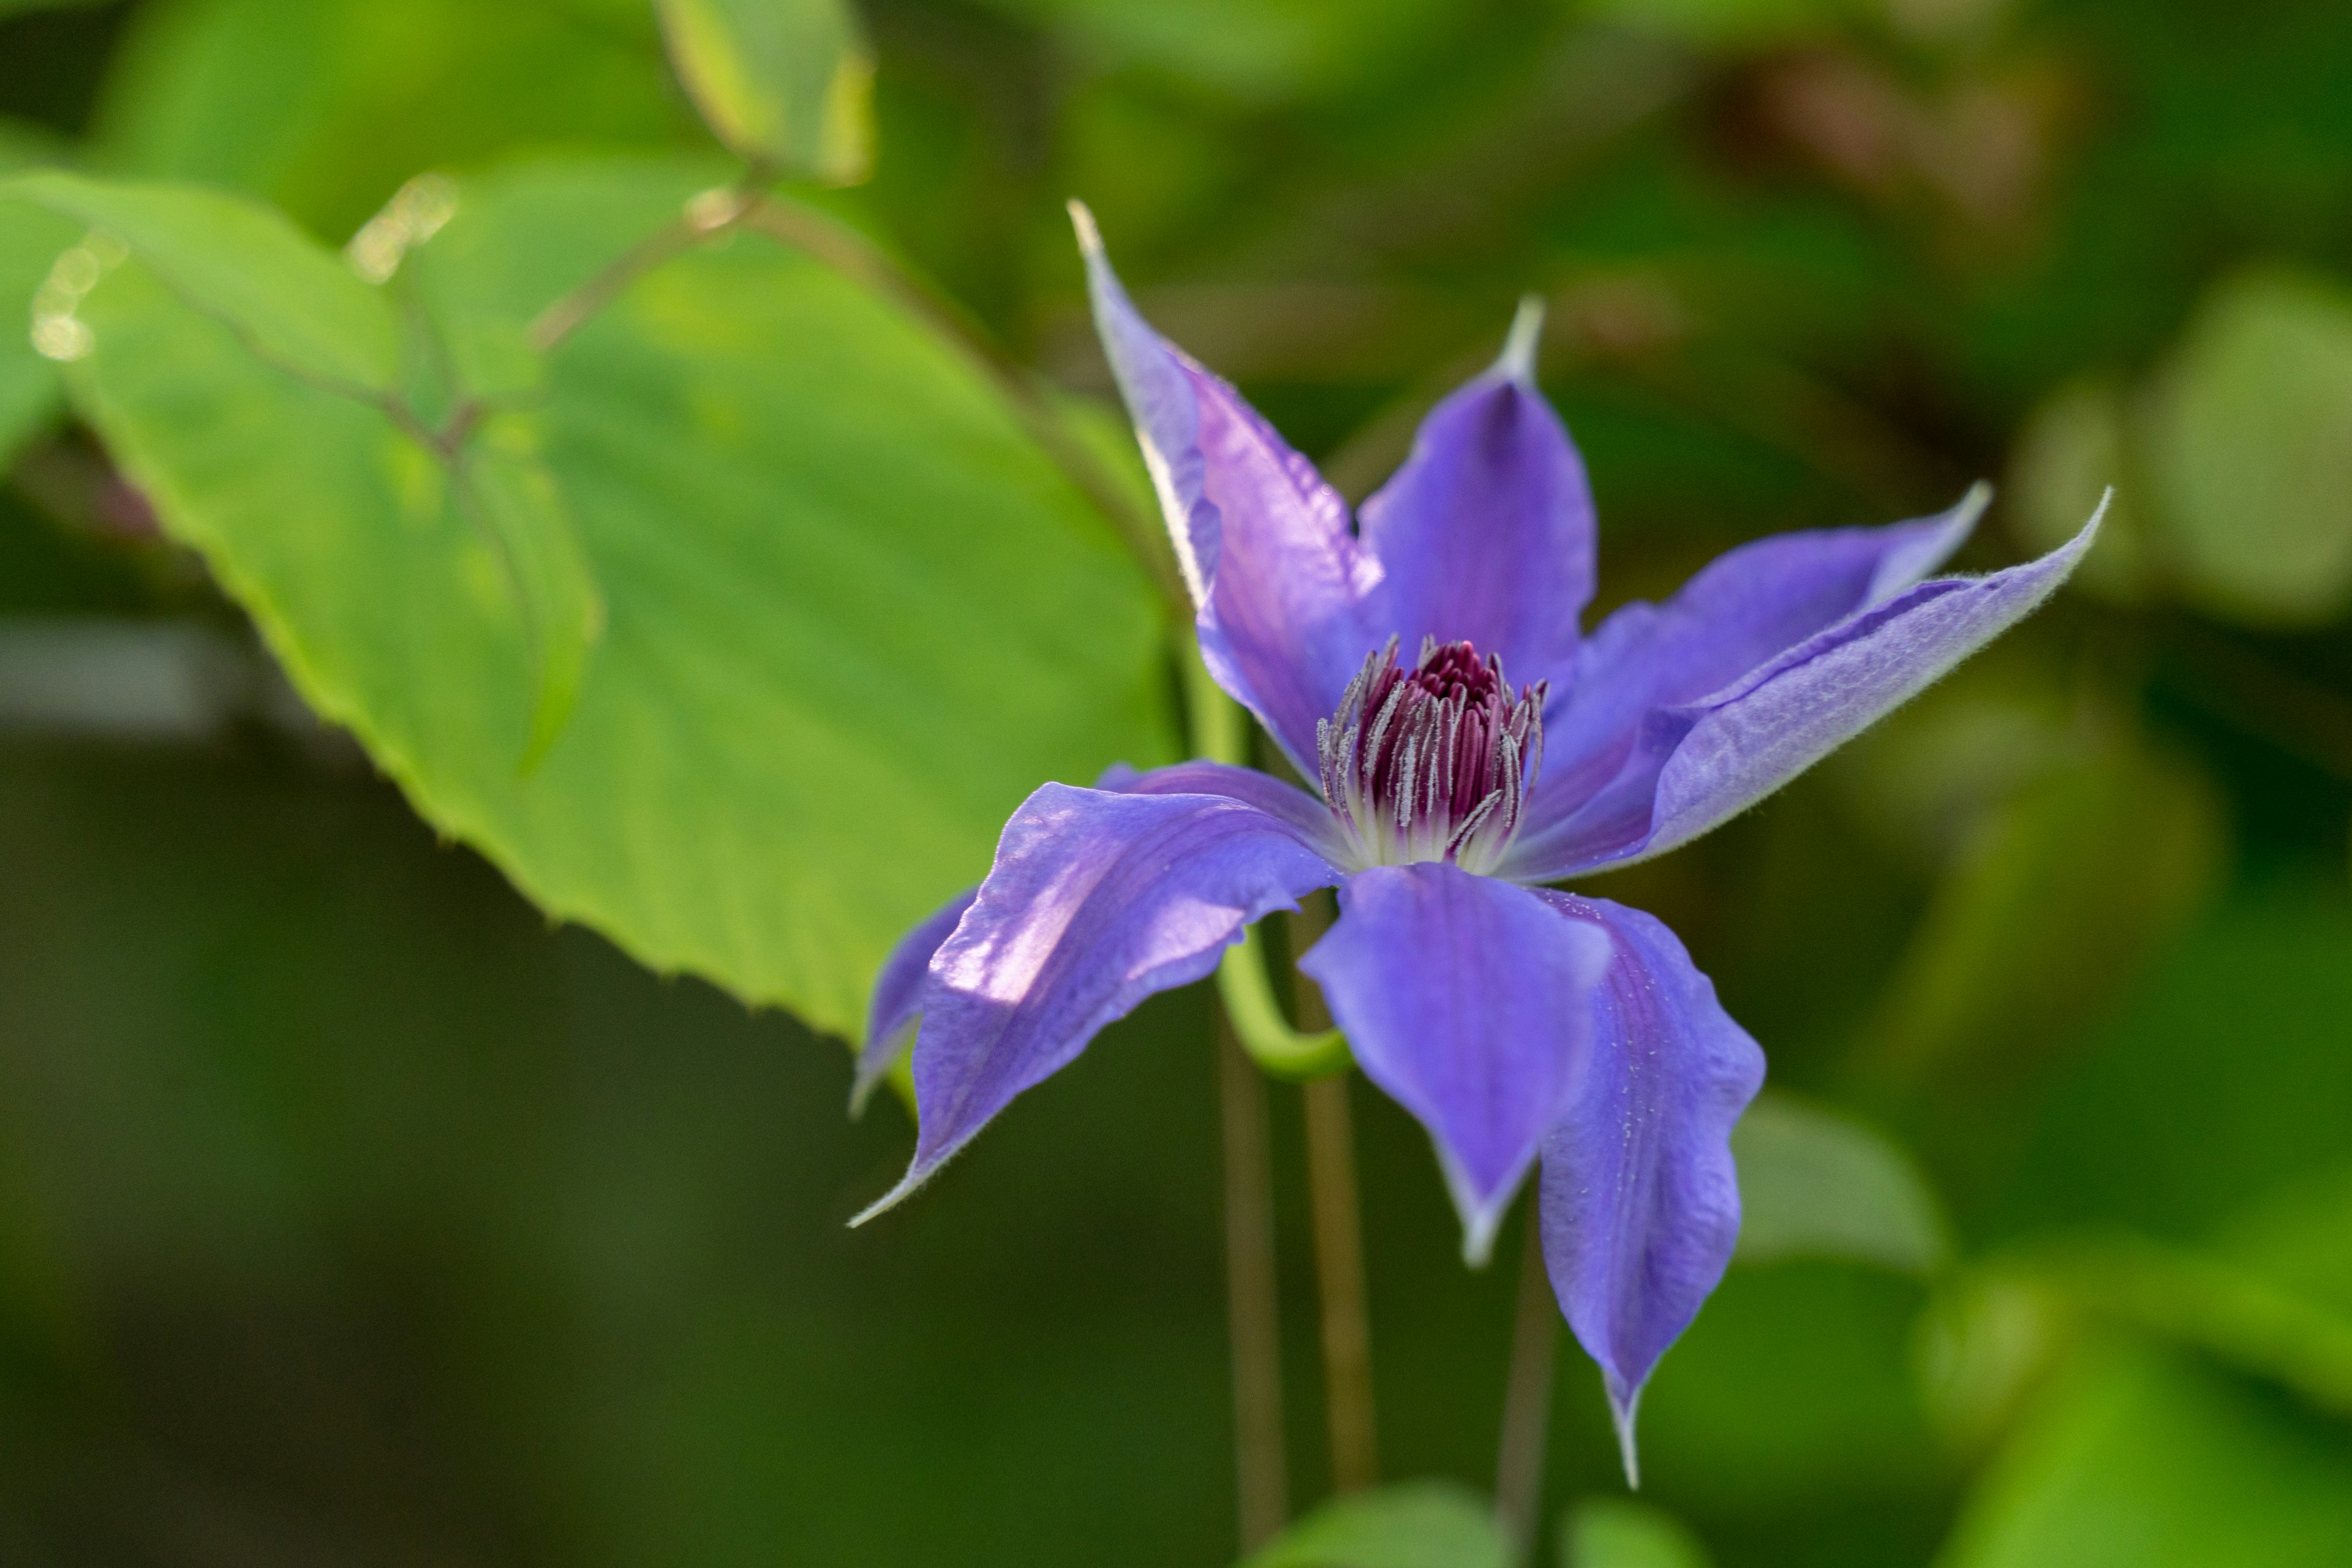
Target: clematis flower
1468	745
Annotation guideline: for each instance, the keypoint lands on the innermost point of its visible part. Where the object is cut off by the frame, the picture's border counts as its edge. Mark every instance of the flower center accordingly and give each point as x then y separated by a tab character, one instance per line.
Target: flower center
1431	763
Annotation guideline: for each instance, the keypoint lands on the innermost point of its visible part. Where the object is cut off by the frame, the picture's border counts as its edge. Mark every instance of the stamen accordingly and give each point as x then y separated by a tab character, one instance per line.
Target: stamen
1430	763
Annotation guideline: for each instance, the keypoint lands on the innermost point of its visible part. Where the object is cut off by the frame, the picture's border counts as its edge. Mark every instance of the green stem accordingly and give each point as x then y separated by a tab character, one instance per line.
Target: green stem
1220	732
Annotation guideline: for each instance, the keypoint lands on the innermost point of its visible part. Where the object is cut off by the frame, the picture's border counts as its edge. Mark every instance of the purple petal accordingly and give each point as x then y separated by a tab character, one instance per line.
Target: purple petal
1305	815
1486	531
1096	901
1640	1200
899	997
1278	581
1469	1002
1696	754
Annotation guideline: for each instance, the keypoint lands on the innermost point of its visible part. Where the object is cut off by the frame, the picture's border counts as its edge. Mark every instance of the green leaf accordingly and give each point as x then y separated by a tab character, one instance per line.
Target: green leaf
788	84
30	244
2056	899
286	297
1617	1532
1413	1524
2153	1460
516	499
853	615
2249	448
324	108
1816	1185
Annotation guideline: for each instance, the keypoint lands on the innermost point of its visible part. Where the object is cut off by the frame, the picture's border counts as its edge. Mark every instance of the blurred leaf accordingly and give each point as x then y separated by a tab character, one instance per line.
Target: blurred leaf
1618	1532
2054	904
517	501
326	107
1984	1345
1816	1185
854	616
1259	49
2221	1082
1733	22
244	266
788	84
2300	1236
31	243
2250	446
1413	1524
2073	447
1794	1385
2150	1459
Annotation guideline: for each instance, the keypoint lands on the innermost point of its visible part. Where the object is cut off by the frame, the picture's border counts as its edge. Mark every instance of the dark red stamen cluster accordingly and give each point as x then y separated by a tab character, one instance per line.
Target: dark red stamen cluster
1431	763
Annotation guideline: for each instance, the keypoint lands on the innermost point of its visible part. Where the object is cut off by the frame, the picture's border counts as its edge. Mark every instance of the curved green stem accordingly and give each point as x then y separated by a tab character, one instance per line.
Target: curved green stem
1220	733
1279	1050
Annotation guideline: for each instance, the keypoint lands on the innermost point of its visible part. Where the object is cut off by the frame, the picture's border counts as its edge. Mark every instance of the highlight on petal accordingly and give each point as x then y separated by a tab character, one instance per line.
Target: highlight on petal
1486	535
1640	1199
1469	1002
1667	734
1280	583
899	997
1096	900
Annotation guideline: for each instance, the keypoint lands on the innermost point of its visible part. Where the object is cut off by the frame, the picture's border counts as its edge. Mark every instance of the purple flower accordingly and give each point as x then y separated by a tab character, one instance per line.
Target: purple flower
1517	1023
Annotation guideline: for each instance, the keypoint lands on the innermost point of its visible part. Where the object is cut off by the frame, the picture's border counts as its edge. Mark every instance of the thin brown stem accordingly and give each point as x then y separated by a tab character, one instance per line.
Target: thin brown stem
1526	1397
1261	1475
709	213
1340	1271
1339	1241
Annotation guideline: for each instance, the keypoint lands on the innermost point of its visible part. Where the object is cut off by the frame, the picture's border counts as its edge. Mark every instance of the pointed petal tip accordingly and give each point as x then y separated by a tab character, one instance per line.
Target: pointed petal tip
1518	361
916	1175
1481	1213
1082	219
1479	1238
2081	542
1621	1415
1972	505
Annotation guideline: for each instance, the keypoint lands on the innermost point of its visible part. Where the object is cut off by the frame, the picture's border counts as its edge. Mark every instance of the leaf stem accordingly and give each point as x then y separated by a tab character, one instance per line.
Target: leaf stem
1526	1397
855	256
1262	1481
708	215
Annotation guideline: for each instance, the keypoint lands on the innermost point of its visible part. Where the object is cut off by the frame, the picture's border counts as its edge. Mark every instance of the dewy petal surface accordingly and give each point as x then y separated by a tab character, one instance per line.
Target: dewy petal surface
898	996
1487	533
1689	760
1280	583
1096	900
1640	1199
1469	1002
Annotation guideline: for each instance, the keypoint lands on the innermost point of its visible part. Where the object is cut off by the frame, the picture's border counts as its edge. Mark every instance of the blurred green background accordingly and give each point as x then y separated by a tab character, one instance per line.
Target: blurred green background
353	1212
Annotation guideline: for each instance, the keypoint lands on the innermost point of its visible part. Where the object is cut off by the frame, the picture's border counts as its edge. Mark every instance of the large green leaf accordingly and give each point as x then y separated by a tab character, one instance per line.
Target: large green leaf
31	243
1413	1524
2251	450
788	84
1816	1185
2154	1461
854	616
327	106
243	265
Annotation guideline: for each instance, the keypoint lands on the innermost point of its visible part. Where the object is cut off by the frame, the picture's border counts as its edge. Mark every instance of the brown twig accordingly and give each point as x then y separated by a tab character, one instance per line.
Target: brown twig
1338	1246
1261	1474
1526	1397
